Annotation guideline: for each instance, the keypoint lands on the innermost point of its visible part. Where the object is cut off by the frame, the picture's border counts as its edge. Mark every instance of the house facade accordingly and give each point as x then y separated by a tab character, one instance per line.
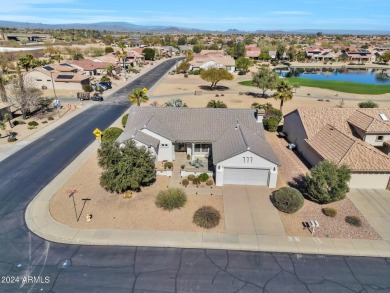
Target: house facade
357	138
231	140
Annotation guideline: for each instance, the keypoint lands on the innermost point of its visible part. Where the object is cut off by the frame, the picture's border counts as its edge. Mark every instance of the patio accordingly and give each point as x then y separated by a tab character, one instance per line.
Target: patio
200	165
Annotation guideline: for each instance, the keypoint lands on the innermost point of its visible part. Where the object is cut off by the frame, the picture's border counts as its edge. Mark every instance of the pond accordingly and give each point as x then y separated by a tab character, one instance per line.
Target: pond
367	76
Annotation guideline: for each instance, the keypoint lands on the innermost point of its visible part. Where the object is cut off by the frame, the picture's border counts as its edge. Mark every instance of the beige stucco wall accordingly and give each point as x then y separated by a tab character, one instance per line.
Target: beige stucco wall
367	180
41	79
371	139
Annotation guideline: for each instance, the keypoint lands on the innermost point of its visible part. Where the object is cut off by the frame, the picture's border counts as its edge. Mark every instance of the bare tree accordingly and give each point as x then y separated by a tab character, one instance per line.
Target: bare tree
27	95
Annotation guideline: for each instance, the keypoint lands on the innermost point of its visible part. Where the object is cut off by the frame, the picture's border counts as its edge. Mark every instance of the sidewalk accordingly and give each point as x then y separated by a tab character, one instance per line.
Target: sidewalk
40	222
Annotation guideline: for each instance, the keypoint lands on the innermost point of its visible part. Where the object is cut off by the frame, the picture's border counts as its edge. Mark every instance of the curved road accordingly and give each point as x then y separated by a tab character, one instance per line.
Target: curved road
31	264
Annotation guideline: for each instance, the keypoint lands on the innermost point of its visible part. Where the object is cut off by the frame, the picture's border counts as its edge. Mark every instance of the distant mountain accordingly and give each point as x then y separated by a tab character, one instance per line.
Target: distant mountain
130	27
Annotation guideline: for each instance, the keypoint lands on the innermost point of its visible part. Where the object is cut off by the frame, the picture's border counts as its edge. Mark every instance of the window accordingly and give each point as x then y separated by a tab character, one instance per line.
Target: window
164	145
379	138
38	79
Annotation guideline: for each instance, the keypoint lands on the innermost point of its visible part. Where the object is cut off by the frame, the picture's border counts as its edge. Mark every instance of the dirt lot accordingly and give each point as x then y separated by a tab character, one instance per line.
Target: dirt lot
176	86
112	211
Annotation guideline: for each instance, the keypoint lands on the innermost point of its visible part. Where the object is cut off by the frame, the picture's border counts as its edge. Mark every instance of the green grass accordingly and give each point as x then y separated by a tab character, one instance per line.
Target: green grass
339	86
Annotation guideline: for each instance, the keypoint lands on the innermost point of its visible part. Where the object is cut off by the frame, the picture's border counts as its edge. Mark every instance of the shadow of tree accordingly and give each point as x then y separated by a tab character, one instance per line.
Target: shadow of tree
216	88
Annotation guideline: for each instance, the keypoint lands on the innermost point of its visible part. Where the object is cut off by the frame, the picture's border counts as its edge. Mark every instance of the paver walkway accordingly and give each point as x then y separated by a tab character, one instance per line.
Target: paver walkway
248	210
291	165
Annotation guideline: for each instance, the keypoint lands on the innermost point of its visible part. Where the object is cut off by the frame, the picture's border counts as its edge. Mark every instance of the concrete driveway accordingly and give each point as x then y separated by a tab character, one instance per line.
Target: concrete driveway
374	204
248	210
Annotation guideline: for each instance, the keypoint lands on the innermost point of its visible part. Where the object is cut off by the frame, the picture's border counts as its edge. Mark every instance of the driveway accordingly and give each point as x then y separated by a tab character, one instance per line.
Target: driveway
374	204
248	210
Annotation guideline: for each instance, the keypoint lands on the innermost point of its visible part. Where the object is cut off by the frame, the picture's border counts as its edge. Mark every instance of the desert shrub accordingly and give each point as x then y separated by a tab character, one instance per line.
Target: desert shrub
168	165
111	134
44	122
287	200
191	177
368	104
354	221
274	63
31	127
206	217
87	88
16	122
196	181
188	156
33	123
50	118
124	120
185	182
271	124
170	199
11	139
330	212
209	182
182	167
328	182
203	177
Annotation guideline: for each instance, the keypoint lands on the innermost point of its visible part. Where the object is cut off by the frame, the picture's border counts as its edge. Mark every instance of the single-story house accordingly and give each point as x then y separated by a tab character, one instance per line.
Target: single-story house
252	51
92	68
360	55
320	54
206	62
5	108
232	140
358	138
64	77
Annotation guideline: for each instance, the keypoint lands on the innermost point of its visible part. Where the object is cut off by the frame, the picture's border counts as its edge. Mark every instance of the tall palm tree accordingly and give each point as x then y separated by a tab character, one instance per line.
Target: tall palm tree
138	96
283	92
216	104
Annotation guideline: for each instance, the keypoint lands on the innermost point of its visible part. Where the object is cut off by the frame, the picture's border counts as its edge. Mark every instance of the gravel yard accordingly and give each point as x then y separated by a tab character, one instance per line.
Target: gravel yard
112	211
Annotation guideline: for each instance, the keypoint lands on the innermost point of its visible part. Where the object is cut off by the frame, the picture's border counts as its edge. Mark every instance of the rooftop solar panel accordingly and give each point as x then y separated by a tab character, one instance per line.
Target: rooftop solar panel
64	76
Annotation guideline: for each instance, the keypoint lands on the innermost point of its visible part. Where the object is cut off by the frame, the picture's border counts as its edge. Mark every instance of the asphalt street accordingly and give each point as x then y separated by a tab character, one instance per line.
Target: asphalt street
31	264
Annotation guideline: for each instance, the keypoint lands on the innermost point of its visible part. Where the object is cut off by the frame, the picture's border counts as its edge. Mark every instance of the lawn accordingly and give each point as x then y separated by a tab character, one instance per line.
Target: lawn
340	86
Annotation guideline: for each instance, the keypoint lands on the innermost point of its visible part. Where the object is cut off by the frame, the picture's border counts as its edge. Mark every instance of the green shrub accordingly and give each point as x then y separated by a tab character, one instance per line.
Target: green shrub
203	177
196	181
209	182
170	199
124	120
271	124
328	182
206	217
287	200
33	123
16	122
188	156
31	127
11	139
168	165
354	221
368	104
44	122
87	88
274	63
185	182
183	166
330	212
50	118
111	134
191	177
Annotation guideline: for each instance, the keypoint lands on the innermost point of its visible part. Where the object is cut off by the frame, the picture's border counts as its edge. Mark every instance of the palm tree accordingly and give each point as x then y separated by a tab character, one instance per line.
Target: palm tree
283	92
110	68
122	46
216	104
138	96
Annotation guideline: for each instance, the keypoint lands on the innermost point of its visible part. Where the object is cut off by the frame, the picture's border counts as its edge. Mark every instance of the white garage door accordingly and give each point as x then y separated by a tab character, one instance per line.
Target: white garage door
245	176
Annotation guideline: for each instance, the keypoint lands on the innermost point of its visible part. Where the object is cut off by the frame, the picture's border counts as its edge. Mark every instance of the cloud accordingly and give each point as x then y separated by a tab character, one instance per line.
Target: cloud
290	12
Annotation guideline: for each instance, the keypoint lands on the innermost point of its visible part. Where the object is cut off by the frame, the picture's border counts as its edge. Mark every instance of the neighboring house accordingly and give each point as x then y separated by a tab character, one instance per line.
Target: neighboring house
272	54
64	77
5	108
133	58
92	68
320	54
232	140
252	51
358	138
360	55
185	48
215	61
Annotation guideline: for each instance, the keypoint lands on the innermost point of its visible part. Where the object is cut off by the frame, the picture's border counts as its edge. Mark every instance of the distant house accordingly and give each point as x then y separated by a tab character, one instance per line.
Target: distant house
92	68
358	138
228	144
273	55
252	51
320	54
360	55
212	61
64	77
185	48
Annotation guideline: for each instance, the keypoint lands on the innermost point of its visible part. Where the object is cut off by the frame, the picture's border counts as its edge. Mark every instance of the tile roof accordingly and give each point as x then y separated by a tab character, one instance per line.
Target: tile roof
329	133
202	125
146	139
89	65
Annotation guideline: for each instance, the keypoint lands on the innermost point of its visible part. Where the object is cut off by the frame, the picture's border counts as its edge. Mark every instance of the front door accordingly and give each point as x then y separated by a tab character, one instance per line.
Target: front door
180	147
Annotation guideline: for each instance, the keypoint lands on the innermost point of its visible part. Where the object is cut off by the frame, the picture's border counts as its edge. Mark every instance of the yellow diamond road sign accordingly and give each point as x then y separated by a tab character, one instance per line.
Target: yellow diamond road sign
97	132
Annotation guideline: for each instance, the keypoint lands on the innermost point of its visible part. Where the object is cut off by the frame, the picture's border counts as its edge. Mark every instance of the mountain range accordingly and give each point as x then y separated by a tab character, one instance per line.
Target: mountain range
130	27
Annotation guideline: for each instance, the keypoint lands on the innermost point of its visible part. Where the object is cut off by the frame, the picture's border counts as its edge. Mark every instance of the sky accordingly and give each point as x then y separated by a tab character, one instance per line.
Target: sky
246	15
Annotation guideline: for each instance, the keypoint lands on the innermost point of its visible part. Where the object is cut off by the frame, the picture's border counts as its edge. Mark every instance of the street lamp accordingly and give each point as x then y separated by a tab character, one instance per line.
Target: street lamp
55	95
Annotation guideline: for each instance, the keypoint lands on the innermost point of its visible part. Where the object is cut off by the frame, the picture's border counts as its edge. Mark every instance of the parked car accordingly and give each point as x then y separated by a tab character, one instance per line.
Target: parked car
106	84
95	86
97	97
